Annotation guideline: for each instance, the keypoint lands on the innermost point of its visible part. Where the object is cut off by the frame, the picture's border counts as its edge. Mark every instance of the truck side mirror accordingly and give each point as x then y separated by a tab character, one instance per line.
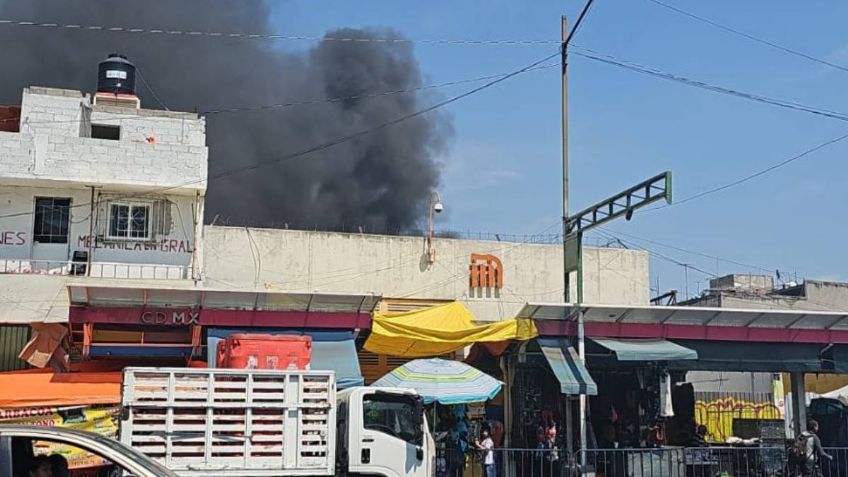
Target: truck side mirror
419	453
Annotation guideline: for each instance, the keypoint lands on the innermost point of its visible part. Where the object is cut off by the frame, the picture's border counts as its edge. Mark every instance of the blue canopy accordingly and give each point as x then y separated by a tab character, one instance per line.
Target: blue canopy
331	351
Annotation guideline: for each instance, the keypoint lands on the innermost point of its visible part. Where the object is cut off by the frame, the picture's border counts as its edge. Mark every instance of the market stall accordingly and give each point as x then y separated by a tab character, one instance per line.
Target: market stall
455	394
85	401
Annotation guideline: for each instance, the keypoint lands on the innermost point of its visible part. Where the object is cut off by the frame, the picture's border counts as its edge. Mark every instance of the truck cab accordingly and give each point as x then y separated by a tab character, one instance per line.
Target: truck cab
383	431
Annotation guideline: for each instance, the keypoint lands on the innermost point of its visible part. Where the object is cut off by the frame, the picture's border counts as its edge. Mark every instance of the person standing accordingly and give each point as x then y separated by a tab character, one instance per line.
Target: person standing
487	446
809	450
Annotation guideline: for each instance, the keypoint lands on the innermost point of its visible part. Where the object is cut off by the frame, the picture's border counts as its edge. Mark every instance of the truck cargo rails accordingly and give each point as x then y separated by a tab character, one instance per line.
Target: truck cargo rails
264	423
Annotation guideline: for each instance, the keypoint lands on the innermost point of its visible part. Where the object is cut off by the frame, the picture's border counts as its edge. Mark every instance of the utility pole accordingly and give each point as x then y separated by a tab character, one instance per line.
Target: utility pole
569	431
564	66
622	204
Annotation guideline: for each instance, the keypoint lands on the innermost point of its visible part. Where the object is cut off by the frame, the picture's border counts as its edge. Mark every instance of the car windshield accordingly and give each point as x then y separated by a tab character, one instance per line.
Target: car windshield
69	437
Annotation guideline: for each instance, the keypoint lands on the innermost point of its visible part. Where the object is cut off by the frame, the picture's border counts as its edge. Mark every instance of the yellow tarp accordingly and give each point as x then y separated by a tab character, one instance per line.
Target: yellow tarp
438	330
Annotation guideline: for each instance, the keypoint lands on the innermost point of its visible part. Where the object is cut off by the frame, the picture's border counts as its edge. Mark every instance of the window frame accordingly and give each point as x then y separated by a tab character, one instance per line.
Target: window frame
128	237
35	223
105	127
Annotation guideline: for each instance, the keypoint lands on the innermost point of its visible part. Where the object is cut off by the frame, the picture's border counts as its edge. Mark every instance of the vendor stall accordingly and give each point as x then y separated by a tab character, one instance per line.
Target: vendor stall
85	401
455	393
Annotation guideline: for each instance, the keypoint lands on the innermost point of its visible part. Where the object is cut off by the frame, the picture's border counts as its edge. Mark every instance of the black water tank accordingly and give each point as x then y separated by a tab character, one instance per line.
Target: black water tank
116	74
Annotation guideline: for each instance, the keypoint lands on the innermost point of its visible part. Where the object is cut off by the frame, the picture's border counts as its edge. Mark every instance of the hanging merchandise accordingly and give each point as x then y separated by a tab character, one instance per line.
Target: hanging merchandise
666	406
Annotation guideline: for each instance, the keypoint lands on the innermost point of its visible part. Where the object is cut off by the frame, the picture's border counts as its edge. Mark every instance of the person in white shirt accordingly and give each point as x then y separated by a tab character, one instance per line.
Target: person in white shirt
487	446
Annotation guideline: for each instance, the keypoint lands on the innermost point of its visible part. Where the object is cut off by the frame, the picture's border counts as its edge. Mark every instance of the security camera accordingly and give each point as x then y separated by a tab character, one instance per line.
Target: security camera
438	207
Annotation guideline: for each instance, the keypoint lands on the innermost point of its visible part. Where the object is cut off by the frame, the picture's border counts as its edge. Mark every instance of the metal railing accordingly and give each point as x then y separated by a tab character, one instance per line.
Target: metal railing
660	462
507	462
763	461
130	271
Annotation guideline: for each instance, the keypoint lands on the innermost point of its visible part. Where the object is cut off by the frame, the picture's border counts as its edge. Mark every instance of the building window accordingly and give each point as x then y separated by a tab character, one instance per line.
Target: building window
103	131
129	221
52	218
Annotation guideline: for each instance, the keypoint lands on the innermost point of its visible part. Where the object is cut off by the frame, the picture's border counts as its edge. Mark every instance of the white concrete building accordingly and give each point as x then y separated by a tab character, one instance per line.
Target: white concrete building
397	267
102	191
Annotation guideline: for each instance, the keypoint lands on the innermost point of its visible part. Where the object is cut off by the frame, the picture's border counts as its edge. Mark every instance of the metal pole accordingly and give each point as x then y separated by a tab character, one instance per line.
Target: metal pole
564	69
581	348
91	238
566	273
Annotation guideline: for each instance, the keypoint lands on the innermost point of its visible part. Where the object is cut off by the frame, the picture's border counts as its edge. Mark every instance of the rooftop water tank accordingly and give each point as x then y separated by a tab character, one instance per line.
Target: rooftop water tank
116	75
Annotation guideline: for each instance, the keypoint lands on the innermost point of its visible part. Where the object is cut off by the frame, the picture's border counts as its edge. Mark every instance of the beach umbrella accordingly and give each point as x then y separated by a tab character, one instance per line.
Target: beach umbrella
442	381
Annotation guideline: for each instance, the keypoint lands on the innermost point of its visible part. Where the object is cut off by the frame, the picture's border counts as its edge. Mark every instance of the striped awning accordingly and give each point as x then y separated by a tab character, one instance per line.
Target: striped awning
443	381
573	377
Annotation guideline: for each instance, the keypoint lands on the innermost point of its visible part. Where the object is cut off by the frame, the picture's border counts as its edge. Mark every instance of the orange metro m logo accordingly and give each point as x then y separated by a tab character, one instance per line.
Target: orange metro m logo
486	271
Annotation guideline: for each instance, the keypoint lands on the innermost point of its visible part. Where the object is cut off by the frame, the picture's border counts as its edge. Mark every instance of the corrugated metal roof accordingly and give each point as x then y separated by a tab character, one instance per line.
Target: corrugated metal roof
12	340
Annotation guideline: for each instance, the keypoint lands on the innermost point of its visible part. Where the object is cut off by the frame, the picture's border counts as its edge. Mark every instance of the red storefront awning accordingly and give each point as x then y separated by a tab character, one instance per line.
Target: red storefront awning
217	307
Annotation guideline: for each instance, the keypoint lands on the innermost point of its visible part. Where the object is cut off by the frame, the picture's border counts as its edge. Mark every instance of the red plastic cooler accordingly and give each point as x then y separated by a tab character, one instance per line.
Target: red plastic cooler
254	351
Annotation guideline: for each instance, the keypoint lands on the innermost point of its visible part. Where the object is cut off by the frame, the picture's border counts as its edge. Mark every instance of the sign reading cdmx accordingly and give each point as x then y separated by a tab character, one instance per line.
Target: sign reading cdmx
170	318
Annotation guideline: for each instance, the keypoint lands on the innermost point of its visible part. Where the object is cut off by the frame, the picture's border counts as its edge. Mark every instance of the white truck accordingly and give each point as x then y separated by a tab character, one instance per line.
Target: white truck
262	423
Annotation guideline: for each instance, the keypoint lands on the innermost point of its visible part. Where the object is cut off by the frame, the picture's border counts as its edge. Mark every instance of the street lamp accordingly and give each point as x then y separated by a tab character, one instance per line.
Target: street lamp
435	205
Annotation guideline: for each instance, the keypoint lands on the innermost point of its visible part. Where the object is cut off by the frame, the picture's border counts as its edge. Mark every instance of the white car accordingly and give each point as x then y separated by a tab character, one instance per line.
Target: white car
17	458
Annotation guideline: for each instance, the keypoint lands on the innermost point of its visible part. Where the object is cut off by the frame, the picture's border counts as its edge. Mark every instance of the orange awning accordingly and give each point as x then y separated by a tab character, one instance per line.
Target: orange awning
40	388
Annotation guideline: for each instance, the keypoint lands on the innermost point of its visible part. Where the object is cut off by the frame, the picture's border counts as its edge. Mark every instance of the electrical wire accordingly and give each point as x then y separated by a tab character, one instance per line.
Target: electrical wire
306	102
754	175
150	88
337	141
579	22
688	251
749	36
638	68
267	36
660	255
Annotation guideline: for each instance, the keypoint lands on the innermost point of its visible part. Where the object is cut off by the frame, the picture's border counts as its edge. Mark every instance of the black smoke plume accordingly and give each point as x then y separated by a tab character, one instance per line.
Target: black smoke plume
379	182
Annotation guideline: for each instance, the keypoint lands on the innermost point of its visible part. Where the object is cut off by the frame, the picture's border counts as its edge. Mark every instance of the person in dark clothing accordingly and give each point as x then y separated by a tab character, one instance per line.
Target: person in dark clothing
814	451
699	439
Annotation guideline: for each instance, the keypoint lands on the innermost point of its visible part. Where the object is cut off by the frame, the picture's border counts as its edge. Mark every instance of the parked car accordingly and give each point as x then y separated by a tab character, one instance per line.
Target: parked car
17	456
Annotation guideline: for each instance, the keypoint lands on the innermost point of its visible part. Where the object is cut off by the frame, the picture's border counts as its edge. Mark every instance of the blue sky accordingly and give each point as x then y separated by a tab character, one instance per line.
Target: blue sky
503	172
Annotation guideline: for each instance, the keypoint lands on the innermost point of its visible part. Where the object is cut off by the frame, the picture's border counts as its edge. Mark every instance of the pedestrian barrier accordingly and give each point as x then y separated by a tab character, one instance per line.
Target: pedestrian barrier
721	461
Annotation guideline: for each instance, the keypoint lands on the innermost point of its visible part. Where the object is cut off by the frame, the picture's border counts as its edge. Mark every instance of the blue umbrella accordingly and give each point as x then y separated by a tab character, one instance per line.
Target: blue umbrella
443	381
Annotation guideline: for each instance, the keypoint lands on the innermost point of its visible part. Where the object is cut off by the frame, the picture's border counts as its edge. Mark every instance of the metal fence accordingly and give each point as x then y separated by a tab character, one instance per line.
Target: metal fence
98	269
661	462
506	462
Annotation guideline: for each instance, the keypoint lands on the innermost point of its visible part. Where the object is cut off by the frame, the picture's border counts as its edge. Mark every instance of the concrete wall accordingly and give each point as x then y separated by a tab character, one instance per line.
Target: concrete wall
53	156
172	247
397	267
827	295
53	145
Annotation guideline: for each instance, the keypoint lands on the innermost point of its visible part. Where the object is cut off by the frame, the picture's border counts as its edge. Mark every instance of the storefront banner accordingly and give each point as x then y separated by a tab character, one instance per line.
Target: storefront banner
102	420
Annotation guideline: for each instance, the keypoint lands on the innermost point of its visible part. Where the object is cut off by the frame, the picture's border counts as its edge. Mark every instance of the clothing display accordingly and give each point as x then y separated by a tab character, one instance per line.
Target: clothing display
666	406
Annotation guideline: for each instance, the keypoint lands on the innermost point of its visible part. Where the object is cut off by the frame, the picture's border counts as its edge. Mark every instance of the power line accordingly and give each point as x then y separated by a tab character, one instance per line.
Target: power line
150	88
748	36
659	255
579	21
754	175
689	251
335	142
308	102
613	61
268	36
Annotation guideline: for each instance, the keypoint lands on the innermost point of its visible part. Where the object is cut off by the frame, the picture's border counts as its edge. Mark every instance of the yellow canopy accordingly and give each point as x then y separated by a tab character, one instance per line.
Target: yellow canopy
438	330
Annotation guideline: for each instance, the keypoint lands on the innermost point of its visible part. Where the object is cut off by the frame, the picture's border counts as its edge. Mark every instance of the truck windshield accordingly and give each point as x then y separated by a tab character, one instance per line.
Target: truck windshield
395	415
